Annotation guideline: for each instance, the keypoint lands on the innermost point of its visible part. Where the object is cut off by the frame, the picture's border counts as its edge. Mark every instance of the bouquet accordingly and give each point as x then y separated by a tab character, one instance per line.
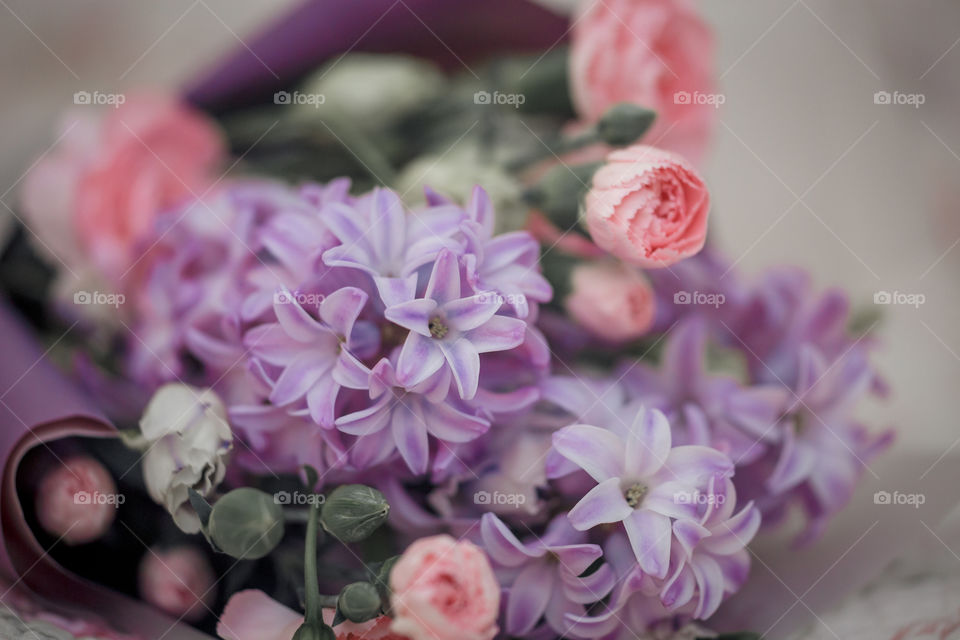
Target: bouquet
434	353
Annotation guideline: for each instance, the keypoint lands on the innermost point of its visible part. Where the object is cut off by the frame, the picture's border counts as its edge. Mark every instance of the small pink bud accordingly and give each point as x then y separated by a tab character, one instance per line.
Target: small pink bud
178	580
77	501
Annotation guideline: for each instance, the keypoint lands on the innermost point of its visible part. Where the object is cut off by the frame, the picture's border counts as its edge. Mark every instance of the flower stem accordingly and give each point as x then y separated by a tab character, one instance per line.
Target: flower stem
311	583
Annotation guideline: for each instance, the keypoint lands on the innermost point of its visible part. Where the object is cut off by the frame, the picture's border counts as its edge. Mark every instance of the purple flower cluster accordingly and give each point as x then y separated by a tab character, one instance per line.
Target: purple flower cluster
403	348
343	332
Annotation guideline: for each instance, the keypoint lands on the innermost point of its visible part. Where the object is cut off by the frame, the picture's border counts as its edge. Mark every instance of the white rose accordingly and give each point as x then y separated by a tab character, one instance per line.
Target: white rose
189	438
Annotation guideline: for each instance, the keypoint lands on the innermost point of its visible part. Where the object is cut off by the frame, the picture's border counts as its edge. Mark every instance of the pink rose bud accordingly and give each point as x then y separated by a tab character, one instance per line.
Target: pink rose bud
611	300
178	580
77	501
648	207
444	590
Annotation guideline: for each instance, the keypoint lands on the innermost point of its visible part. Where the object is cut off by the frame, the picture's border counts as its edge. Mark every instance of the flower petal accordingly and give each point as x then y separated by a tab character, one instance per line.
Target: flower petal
444	284
447	423
420	358
410	433
341	308
602	505
597	451
529	595
499	333
648	444
501	544
650	536
464	362
413	315
465	314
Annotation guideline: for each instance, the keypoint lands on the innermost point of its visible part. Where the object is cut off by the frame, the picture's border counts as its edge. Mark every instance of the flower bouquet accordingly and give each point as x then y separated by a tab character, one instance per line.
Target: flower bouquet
430	342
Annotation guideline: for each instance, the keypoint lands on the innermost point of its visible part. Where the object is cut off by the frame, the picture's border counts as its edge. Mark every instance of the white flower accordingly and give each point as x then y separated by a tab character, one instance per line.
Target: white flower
372	90
189	439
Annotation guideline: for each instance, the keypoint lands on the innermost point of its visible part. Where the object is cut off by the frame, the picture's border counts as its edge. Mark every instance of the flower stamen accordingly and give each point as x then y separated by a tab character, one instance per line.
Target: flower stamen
634	494
438	329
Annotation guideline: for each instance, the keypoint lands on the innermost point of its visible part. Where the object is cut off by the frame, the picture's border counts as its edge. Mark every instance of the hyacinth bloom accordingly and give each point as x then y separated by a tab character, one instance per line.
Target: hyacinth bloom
505	263
403	419
822	451
382	240
544	575
449	330
641	482
314	355
711	560
704	408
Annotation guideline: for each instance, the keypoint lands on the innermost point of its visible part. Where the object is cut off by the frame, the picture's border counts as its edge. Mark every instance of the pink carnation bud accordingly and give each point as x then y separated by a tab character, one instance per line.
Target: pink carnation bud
77	501
611	300
648	207
178	580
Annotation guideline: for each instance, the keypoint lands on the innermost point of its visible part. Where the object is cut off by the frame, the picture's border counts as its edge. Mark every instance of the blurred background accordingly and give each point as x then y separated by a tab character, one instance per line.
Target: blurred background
837	149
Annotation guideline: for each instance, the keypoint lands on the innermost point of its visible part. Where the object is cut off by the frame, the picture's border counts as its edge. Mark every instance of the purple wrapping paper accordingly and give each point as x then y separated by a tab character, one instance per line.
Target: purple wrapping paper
453	33
38	406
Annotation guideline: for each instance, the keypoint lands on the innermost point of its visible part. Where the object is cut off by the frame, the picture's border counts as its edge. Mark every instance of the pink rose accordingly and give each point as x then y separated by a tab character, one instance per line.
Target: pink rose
613	301
77	501
179	581
655	53
253	615
648	207
97	194
444	590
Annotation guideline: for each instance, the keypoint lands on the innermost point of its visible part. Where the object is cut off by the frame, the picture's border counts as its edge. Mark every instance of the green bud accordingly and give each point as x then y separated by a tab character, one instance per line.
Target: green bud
246	523
308	631
624	123
353	511
359	602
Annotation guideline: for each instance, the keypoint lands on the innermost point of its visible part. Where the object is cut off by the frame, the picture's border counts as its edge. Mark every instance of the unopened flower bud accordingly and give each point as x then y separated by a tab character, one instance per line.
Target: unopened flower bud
624	123
308	631
353	511
246	523
359	602
77	501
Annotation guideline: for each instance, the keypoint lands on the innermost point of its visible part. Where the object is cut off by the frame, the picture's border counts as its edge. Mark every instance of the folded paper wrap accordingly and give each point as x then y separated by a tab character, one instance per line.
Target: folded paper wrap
38	406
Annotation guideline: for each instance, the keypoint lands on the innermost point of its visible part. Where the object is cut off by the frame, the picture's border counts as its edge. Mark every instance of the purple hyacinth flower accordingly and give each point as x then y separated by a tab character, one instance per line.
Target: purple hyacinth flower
703	408
378	236
507	263
447	329
402	419
545	575
641	482
314	356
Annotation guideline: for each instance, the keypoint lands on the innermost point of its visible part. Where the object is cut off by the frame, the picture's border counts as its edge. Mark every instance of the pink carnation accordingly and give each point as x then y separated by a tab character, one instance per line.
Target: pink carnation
655	53
648	207
444	590
610	299
96	195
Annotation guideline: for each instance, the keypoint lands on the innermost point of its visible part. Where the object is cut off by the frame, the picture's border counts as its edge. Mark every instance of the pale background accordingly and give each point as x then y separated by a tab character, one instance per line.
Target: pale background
806	169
